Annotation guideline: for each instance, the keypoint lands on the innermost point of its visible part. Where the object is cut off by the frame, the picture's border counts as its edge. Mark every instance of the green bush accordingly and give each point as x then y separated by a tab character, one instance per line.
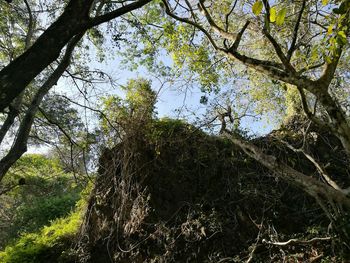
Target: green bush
47	193
50	244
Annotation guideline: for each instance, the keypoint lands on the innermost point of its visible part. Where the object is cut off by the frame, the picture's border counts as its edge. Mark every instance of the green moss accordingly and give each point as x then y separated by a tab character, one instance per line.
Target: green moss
166	127
45	246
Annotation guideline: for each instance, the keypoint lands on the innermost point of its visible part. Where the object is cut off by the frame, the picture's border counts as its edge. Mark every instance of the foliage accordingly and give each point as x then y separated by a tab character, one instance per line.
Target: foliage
137	108
187	42
46	193
50	244
278	58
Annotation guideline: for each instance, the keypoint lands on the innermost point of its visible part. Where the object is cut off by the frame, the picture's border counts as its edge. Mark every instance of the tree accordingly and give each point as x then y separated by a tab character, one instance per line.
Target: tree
282	66
32	57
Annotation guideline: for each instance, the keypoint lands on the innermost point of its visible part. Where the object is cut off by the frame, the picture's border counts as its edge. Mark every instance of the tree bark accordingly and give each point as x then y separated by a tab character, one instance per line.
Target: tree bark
338	119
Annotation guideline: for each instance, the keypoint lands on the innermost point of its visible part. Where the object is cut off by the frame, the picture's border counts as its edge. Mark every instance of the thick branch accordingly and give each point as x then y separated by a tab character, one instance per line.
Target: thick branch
116	13
328	74
15	106
329	71
214	26
319	168
270	69
10	118
43	52
309	184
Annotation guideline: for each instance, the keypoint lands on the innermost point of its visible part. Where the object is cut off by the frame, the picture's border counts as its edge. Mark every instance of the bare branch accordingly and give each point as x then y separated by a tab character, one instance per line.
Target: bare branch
228	15
311	116
279	51
238	39
319	168
30	31
309	184
295	33
294	241
58	125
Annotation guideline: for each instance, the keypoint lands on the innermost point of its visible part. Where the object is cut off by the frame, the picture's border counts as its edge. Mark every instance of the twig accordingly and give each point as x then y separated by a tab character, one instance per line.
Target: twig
297	241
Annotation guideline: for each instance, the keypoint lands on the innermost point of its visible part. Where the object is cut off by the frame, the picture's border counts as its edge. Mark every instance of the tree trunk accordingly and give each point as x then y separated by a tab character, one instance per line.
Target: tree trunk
75	19
18	74
337	119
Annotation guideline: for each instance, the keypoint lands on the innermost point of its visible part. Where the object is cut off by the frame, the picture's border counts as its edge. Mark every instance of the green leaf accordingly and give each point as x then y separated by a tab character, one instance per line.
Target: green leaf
328	59
342	37
342	34
257	8
330	29
273	14
325	2
281	16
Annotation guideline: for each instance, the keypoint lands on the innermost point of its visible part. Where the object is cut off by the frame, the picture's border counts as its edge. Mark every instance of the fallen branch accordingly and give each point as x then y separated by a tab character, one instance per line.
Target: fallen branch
296	241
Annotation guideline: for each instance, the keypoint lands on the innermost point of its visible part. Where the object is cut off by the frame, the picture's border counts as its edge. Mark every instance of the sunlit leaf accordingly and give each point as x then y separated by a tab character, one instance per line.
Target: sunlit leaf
281	16
257	8
330	29
342	34
273	14
342	37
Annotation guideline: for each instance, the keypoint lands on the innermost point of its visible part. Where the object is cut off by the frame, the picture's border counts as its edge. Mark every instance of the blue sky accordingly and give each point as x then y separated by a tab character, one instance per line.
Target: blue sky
172	102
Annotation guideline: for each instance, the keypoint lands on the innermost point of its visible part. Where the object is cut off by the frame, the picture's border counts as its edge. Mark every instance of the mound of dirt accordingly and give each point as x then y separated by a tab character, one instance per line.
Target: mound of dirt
171	193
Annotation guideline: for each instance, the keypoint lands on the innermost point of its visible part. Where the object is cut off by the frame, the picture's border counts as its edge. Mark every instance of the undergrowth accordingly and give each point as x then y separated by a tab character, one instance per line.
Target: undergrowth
50	244
53	243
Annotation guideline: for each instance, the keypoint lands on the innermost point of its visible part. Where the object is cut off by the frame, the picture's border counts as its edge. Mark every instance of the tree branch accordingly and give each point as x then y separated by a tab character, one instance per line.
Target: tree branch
295	32
187	21
223	33
30	31
116	13
294	241
238	39
311	116
14	108
309	184
279	51
319	168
